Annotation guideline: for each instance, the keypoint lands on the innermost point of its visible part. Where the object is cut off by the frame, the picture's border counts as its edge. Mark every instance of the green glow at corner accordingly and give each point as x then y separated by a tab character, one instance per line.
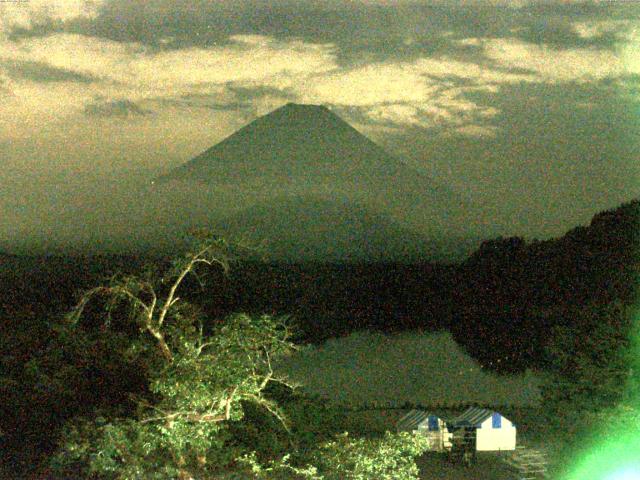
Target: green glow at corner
612	460
615	454
630	473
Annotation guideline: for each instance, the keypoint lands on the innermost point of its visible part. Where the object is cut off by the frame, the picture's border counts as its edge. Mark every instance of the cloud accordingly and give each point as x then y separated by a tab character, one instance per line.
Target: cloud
395	114
592	28
428	90
248	60
552	65
115	108
272	71
254	73
373	84
475	131
628	53
29	14
42	72
139	74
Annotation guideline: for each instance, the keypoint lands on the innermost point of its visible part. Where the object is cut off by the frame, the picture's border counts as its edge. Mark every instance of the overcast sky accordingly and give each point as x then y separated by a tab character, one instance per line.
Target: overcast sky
531	106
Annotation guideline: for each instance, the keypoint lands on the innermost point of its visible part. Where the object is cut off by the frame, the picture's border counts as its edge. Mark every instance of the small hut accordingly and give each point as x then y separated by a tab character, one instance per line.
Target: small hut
428	424
493	432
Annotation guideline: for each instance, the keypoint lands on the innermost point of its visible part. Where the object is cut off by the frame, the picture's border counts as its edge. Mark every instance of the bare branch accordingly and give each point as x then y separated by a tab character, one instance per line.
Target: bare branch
227	409
113	291
190	416
164	348
271	409
199	257
76	313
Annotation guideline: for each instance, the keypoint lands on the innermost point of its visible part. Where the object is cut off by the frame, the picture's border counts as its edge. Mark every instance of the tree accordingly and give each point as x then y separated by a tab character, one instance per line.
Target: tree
591	394
199	385
591	359
391	457
197	382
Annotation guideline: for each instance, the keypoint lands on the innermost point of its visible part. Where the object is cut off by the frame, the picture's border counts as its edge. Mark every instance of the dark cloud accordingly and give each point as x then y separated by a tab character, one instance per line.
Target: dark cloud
363	32
248	94
115	108
205	100
37	28
233	98
557	32
41	72
558	150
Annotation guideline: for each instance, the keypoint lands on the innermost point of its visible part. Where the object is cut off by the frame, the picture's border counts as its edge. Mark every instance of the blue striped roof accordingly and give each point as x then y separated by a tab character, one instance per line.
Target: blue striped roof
473	416
413	419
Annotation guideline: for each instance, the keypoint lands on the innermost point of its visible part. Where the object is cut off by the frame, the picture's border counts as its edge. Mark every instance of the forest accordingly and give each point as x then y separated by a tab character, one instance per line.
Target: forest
89	365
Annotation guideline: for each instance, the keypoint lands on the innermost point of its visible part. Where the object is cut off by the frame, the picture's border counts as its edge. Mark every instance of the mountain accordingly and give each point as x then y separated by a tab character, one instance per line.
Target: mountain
315	229
293	142
328	175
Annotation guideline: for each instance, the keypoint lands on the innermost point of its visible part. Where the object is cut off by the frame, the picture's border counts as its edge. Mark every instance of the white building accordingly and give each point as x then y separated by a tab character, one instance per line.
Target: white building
493	432
428	424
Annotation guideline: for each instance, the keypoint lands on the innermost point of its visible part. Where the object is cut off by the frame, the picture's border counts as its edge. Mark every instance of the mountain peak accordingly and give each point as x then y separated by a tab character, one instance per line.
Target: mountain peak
295	138
309	146
309	106
303	106
303	175
293	111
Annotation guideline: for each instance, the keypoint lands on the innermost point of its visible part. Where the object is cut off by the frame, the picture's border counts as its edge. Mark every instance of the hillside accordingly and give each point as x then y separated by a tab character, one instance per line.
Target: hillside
510	294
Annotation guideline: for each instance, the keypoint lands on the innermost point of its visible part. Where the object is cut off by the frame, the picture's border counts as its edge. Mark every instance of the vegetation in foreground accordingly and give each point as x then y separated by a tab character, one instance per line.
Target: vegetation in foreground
192	407
101	367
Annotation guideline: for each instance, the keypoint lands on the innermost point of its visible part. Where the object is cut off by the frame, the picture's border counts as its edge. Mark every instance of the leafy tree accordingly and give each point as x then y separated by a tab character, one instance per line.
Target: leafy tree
391	457
591	359
197	382
592	391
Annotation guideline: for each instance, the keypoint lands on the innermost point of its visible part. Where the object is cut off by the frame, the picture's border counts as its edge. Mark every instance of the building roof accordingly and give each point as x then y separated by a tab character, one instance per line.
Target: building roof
473	416
413	419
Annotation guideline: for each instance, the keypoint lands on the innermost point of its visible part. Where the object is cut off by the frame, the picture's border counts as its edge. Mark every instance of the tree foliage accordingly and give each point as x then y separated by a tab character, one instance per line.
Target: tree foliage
391	457
198	382
591	360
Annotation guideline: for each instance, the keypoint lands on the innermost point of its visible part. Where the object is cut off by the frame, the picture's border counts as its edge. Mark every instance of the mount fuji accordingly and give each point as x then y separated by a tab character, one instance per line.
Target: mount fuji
316	189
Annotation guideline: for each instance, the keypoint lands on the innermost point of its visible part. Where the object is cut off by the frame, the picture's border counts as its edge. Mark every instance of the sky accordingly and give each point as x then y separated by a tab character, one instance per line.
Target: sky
529	107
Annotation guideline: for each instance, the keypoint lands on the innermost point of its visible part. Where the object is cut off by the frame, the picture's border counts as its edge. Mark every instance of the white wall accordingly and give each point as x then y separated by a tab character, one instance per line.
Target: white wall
493	439
440	440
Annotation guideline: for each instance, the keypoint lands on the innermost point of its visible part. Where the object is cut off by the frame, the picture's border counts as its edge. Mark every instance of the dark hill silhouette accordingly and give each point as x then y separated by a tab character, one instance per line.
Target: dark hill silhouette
510	294
308	151
316	229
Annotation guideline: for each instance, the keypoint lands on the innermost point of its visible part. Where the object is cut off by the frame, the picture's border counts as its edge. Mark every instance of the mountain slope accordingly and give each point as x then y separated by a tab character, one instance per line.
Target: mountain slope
309	153
317	229
305	140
